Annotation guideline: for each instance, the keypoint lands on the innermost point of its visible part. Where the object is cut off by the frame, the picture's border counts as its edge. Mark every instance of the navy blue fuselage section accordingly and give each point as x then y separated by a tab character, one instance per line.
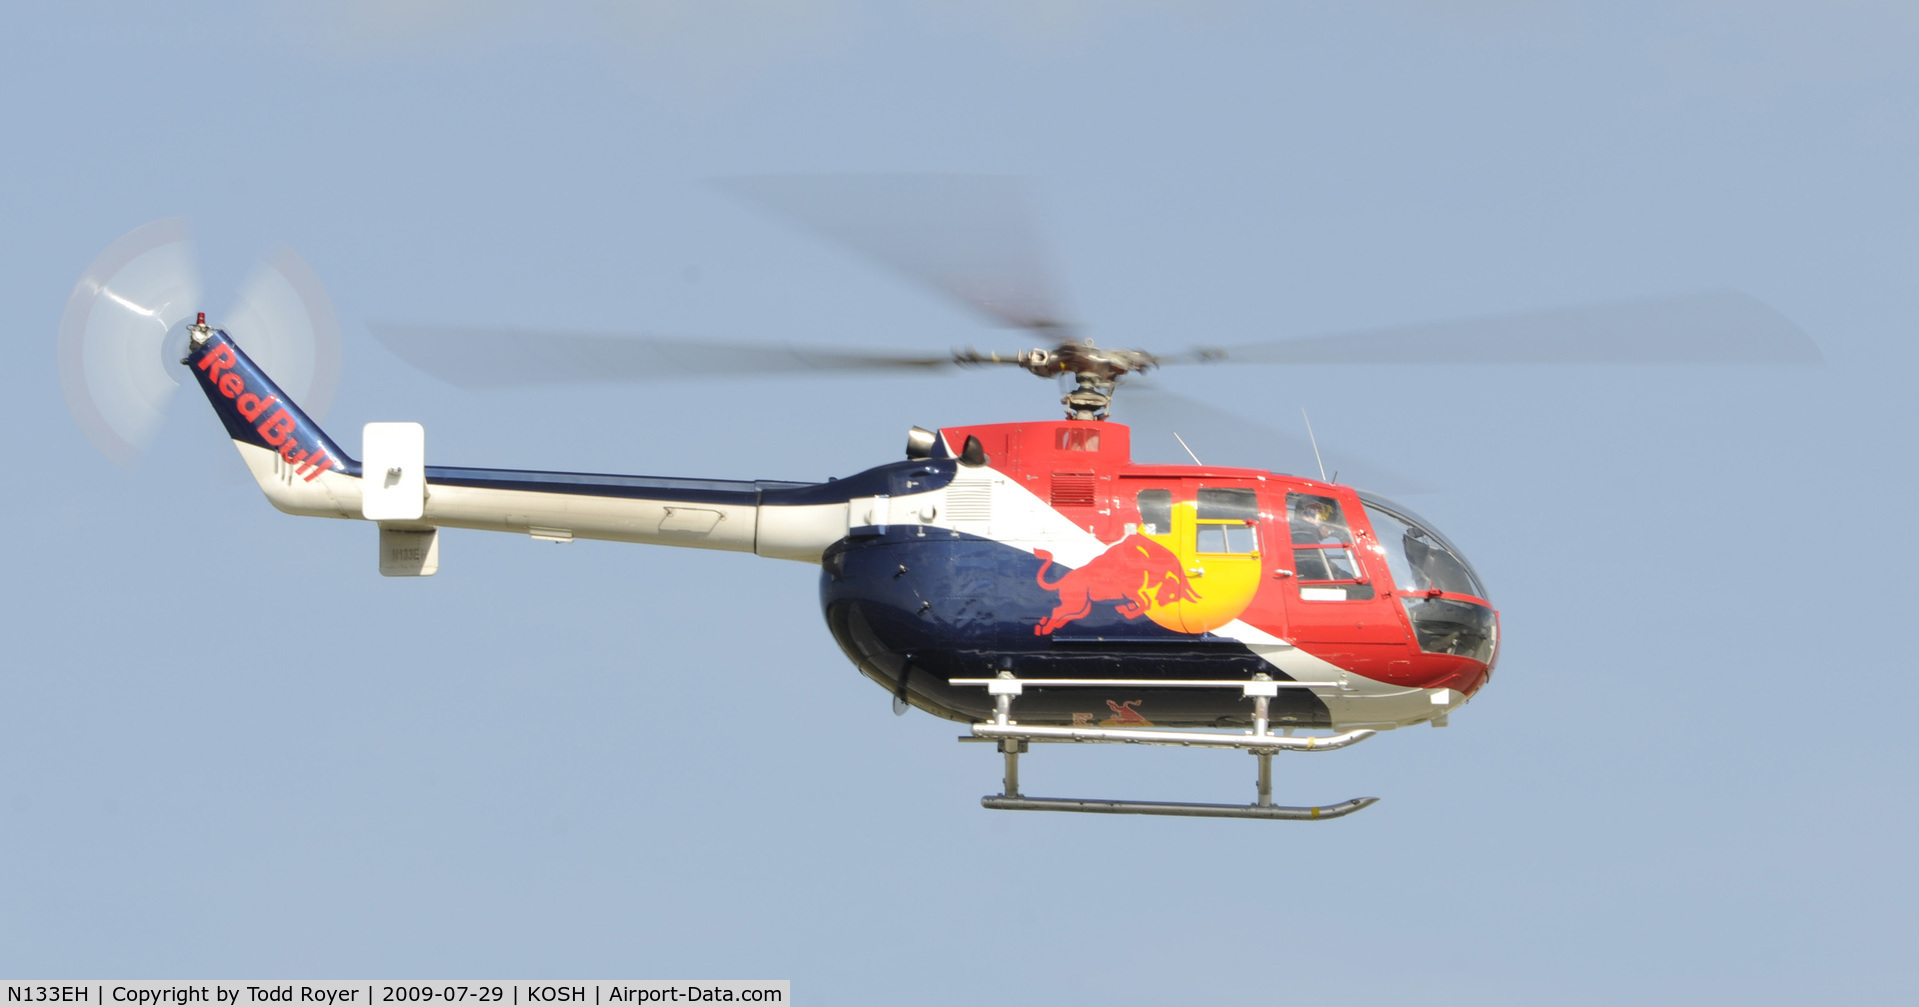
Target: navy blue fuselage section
925	605
884	480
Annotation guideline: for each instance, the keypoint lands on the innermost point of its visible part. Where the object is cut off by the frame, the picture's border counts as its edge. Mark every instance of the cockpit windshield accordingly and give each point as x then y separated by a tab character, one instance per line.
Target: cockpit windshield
1422	561
1420	558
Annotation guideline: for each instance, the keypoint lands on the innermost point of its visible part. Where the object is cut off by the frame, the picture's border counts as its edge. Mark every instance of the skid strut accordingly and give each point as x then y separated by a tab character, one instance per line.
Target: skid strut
1013	739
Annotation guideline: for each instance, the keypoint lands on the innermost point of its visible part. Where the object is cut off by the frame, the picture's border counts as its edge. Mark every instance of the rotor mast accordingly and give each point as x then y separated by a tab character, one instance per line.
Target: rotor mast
1096	371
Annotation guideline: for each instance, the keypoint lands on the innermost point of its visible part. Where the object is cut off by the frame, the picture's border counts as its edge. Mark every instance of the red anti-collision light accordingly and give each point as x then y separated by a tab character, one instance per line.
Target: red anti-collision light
203	319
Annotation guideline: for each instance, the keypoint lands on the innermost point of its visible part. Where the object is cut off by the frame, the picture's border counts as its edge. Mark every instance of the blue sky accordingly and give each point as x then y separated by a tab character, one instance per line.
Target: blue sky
232	750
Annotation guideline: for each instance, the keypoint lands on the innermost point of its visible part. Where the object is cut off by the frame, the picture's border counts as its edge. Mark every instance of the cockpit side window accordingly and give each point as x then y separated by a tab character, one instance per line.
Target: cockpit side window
1323	557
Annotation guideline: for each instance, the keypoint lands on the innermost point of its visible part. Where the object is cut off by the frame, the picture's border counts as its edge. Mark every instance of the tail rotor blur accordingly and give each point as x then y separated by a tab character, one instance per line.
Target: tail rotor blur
287	321
114	333
123	333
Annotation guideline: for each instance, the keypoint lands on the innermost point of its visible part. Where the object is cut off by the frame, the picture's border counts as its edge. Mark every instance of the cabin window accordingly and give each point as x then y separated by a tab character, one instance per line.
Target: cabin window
1076	439
1323	558
1224	522
1155	511
1233	537
1228	504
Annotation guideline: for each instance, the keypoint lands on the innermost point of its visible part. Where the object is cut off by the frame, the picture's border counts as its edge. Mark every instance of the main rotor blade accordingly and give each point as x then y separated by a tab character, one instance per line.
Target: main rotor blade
506	357
1711	327
1219	437
971	237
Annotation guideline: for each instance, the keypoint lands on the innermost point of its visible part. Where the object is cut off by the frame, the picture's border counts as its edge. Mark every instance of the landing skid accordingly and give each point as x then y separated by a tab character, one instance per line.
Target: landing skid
1013	739
1340	810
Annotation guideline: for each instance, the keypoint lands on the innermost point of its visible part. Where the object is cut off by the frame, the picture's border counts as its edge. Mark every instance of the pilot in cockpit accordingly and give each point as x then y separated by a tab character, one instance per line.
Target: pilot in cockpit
1315	521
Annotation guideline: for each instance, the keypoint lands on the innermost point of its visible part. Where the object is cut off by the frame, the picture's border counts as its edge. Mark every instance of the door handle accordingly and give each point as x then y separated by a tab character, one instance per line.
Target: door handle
1195	571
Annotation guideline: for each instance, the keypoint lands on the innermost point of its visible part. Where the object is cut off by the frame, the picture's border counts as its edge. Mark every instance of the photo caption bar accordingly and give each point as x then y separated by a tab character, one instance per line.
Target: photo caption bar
387	993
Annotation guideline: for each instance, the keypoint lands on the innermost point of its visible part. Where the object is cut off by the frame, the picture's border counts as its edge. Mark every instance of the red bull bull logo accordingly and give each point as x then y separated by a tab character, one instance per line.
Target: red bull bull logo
1140	574
1155	573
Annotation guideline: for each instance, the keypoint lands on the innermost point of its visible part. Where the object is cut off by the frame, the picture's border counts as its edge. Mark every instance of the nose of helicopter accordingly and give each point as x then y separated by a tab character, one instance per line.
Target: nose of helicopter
1444	597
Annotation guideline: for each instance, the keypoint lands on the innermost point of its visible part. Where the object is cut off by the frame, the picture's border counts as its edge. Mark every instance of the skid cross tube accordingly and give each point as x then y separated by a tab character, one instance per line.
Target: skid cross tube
1013	738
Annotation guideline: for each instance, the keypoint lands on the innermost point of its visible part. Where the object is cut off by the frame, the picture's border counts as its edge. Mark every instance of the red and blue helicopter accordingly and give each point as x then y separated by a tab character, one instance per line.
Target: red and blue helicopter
1029	579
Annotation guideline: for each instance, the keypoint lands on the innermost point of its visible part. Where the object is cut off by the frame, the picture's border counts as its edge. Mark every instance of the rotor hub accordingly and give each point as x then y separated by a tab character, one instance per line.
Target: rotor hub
1097	371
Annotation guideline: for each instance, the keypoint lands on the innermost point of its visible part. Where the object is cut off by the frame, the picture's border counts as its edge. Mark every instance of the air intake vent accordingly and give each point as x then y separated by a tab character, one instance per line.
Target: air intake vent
1072	490
969	501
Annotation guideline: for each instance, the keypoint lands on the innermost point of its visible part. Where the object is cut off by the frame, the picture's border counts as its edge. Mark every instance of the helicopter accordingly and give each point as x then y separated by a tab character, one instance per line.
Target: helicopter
1028	579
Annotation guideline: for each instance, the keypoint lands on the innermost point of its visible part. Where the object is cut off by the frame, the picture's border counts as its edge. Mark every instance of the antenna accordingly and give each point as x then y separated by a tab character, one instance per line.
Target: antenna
1189	451
1315	439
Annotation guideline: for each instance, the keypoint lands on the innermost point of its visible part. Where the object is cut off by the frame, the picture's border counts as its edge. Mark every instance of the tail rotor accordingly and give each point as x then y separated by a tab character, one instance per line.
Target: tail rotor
124	332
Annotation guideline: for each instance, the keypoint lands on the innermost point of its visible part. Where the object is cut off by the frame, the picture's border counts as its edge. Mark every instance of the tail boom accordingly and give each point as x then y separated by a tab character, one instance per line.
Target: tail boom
302	471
